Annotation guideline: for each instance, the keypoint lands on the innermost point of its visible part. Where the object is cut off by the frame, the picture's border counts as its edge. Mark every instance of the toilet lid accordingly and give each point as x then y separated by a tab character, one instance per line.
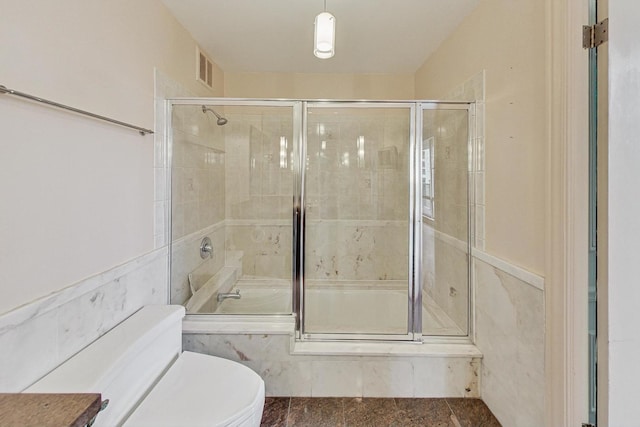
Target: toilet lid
201	390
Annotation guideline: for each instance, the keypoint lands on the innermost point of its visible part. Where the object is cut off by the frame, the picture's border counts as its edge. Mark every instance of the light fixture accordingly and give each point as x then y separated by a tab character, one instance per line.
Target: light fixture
325	34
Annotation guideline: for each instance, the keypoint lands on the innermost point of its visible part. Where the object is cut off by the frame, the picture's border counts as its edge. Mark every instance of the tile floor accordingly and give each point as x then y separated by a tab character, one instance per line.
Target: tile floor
375	412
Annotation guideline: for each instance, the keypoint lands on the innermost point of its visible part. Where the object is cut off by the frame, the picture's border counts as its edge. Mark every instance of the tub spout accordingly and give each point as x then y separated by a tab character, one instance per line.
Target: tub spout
234	295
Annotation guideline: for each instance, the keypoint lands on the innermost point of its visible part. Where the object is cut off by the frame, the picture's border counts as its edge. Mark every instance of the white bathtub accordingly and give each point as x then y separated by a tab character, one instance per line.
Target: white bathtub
378	307
360	308
258	297
438	367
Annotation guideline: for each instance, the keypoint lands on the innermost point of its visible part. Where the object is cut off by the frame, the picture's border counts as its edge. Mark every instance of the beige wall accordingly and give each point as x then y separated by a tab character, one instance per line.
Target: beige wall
503	38
319	86
77	194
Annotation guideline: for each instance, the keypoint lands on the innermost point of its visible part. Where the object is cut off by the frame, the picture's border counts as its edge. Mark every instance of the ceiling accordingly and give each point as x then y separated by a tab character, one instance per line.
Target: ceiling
372	36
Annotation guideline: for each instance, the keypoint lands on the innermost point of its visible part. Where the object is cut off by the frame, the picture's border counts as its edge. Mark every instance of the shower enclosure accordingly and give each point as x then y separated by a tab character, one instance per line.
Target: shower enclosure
351	217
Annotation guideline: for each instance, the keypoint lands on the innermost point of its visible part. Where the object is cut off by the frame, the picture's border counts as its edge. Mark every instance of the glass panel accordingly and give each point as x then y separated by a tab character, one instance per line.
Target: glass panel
445	222
357	220
232	183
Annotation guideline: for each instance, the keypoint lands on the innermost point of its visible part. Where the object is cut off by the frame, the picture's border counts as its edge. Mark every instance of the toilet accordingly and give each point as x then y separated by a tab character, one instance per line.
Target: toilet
139	366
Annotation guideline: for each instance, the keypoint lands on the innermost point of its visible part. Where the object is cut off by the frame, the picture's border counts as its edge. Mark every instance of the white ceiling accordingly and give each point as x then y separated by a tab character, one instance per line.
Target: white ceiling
372	36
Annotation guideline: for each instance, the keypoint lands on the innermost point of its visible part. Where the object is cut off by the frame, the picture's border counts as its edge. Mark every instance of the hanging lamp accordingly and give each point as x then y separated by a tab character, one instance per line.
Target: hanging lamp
325	34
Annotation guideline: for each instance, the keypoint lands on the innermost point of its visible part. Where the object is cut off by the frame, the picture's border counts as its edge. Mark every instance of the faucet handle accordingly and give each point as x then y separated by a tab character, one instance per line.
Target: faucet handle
206	248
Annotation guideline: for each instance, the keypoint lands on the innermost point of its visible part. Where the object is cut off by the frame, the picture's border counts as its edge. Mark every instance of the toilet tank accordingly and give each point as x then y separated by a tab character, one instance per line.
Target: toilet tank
122	364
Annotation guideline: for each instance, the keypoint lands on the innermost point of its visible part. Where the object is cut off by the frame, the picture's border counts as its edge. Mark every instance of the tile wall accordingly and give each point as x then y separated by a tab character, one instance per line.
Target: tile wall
357	194
356	250
197	198
259	188
198	164
508	304
39	336
449	132
445	277
195	202
350	376
266	246
445	227
510	334
474	90
358	164
186	259
509	310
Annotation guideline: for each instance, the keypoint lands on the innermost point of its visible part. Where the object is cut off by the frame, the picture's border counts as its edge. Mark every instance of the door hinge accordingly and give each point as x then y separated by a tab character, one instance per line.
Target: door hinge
594	35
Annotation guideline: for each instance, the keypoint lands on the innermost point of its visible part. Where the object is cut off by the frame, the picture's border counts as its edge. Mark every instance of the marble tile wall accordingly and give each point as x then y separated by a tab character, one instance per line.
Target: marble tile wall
197	175
259	189
185	259
509	302
448	131
474	89
445	232
358	165
37	337
356	250
197	154
510	324
266	247
357	194
445	278
259	175
197	184
348	376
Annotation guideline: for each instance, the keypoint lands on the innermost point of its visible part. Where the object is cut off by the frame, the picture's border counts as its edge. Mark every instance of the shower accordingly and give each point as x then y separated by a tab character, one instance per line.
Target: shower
221	120
349	219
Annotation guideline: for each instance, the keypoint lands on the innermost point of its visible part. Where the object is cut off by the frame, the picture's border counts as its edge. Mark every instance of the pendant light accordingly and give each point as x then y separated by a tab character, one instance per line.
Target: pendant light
325	34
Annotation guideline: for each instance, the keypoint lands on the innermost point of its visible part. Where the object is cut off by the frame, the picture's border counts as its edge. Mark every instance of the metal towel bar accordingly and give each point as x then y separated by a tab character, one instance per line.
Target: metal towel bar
142	131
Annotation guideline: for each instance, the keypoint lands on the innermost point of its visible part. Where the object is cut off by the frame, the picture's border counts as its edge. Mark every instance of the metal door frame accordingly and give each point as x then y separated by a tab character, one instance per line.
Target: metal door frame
302	333
300	110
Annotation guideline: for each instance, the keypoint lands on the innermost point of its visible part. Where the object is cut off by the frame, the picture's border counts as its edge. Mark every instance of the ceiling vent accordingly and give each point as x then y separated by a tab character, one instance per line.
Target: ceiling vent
204	68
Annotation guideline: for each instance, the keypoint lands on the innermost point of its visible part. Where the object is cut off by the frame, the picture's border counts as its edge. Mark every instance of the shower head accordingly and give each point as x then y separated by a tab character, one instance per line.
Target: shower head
221	120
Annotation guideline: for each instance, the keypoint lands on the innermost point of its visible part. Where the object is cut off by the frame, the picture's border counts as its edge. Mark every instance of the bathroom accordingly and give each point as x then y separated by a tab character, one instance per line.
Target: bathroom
96	199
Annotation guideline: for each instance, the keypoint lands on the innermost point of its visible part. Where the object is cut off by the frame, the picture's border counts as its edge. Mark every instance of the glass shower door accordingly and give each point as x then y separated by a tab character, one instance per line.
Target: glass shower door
444	221
232	185
357	217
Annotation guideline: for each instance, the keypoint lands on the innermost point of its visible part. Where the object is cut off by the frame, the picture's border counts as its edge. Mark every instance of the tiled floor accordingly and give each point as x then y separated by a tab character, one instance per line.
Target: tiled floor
348	412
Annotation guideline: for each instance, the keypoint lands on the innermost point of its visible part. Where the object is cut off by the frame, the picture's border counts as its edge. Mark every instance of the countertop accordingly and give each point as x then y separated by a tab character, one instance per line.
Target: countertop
48	410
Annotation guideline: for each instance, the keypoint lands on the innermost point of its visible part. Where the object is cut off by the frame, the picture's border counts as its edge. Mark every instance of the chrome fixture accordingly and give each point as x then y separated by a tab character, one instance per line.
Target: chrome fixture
142	131
206	249
221	120
225	295
324	41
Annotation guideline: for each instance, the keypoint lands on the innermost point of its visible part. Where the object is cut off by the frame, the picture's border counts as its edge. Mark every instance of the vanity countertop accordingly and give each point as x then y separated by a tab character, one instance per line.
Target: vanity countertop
48	410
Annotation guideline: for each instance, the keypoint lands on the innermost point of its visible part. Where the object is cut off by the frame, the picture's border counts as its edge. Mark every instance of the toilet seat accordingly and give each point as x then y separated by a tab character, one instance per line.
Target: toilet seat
202	390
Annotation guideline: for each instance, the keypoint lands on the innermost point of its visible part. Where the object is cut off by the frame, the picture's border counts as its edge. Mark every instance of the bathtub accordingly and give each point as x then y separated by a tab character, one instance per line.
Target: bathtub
331	307
268	344
258	296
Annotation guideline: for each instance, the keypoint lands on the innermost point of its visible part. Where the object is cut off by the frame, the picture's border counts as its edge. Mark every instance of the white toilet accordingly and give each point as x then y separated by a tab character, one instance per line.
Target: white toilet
140	367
